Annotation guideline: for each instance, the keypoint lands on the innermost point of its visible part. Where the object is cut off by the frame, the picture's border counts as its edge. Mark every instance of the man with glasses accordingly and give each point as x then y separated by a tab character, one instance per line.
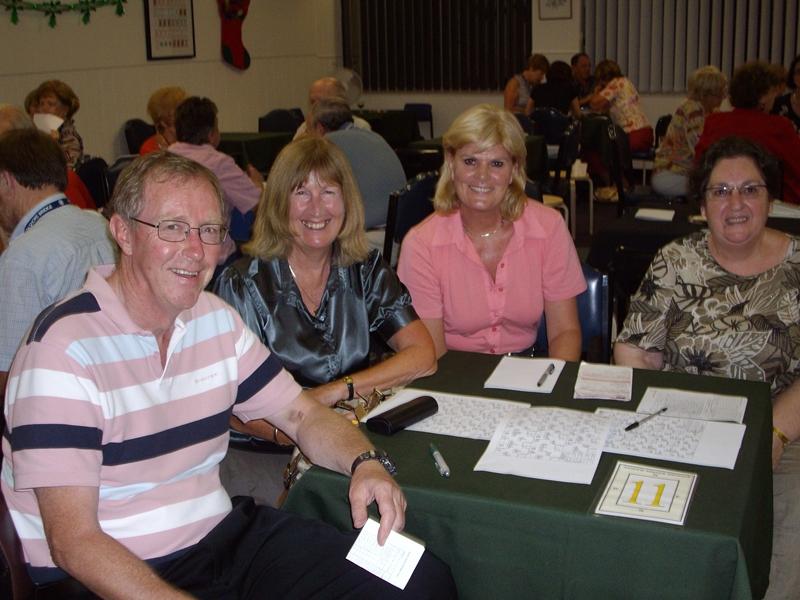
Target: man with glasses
118	419
51	243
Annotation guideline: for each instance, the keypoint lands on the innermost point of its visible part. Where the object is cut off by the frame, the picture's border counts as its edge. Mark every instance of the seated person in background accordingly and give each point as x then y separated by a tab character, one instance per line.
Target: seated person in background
197	130
144	370
517	93
675	153
724	302
753	89
616	95
788	105
485	267
161	108
376	167
582	77
327	87
55	97
76	191
314	293
52	244
558	91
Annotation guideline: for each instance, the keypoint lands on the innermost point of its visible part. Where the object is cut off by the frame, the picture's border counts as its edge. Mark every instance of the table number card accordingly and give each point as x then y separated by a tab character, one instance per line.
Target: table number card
646	492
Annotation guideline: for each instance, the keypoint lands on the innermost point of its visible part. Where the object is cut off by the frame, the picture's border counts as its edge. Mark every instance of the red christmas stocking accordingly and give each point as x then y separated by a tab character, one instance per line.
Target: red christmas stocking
232	14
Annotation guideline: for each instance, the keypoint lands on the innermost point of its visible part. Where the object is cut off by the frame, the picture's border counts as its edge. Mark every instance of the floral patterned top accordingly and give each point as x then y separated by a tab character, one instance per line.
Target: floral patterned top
626	110
708	321
676	151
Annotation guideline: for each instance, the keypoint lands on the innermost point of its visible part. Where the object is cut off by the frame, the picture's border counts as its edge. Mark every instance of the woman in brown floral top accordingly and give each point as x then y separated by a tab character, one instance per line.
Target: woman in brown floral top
55	97
726	302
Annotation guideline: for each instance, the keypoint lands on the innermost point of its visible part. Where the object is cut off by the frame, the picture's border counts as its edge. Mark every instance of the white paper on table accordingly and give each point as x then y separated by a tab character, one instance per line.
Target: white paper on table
461	416
690	441
545	442
603	382
47	122
522	374
394	562
693	405
655	214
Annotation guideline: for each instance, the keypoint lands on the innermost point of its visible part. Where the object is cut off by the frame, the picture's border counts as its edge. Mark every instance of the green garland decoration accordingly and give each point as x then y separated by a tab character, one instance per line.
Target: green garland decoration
56	7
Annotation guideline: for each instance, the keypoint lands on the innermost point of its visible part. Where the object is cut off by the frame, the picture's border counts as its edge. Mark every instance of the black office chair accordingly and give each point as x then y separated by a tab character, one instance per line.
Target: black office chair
136	132
568	152
423	112
92	172
398	127
112	173
594	313
419	160
551	123
407	207
528	126
279	120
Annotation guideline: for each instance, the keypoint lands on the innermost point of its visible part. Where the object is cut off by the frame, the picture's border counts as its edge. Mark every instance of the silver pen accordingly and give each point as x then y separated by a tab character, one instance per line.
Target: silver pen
547	372
439	462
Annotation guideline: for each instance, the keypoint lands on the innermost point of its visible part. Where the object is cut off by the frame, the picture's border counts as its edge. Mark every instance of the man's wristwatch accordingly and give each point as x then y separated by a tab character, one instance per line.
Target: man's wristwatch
378	455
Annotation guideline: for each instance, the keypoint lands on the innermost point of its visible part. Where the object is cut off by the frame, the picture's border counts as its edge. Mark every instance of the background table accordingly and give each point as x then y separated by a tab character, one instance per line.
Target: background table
514	537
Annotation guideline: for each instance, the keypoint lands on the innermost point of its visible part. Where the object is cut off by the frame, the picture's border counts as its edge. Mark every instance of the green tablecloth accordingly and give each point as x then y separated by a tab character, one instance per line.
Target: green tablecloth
514	537
257	149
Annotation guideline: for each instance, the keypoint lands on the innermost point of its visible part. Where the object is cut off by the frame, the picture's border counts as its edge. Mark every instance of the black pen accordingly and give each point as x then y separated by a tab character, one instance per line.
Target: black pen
635	424
548	371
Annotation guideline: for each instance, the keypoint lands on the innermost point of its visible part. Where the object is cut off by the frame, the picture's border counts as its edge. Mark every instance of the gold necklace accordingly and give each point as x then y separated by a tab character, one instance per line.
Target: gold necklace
488	234
313	299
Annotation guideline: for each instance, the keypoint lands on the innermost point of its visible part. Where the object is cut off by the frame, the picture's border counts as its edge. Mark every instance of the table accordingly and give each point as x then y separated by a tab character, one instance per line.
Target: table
258	148
513	537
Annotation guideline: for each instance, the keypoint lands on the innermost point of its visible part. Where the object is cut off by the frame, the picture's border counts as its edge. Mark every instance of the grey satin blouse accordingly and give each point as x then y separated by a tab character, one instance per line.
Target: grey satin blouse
359	301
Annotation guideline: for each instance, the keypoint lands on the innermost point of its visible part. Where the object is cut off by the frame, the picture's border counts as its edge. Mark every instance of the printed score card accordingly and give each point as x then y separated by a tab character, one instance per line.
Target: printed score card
646	492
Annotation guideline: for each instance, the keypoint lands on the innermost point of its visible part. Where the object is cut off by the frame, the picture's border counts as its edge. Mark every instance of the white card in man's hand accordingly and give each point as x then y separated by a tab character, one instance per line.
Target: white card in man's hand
394	562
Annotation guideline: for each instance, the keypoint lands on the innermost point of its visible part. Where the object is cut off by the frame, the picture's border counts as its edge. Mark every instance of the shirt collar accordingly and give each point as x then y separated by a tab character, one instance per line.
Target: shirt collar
23	222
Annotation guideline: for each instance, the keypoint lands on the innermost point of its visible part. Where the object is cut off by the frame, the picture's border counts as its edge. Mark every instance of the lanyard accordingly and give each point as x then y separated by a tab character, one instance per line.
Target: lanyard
57	203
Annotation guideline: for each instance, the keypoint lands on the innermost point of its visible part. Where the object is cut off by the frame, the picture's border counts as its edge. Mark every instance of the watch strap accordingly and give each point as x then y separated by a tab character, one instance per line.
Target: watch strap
378	455
351	391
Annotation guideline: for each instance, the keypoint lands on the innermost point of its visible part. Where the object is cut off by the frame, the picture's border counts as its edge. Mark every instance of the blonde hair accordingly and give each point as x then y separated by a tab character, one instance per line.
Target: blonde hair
162	104
486	125
706	81
272	232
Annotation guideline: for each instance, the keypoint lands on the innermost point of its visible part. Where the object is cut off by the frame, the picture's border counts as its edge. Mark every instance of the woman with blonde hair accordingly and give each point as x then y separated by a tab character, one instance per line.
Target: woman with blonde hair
312	290
490	262
675	153
161	108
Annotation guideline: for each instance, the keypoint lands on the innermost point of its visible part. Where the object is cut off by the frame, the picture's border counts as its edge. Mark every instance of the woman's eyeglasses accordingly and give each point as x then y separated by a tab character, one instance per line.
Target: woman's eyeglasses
747	191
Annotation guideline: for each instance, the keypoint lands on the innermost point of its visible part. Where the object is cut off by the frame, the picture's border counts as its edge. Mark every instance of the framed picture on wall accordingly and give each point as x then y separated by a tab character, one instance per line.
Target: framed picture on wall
169	29
555	9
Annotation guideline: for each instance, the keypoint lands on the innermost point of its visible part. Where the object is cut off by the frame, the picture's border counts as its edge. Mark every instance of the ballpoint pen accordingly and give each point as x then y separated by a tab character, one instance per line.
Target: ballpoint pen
547	372
635	424
439	462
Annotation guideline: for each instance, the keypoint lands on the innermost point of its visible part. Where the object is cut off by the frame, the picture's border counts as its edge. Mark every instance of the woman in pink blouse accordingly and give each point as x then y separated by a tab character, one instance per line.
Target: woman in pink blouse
485	267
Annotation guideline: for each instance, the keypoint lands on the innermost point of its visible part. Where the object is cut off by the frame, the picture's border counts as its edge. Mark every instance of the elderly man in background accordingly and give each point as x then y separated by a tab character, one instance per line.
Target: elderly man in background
52	244
377	169
111	462
327	87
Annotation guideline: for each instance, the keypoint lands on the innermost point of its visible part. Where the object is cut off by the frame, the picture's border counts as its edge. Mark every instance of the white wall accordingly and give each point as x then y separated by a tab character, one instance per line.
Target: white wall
291	43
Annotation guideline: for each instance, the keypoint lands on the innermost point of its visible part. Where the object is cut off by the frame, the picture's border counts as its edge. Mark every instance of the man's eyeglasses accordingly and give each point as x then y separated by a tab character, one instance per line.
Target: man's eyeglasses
748	191
177	231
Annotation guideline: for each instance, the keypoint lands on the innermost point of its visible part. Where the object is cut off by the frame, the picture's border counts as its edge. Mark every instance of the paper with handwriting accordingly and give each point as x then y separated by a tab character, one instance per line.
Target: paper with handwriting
461	416
394	562
668	438
693	405
547	443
